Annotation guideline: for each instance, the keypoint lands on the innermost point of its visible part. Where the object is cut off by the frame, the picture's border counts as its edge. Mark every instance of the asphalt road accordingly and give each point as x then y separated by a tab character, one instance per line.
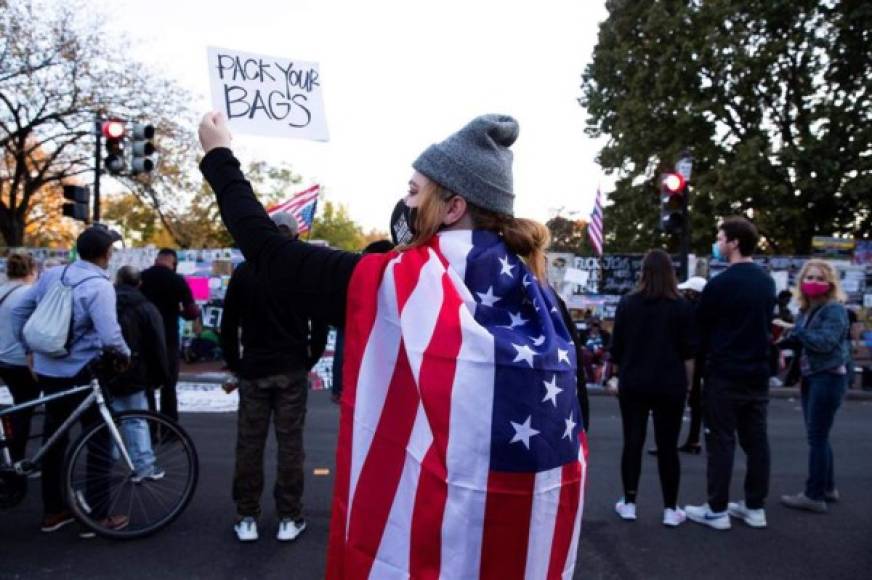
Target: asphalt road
201	543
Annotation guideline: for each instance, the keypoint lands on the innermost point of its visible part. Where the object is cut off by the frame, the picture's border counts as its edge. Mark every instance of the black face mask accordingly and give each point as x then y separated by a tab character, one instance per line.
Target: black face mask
403	223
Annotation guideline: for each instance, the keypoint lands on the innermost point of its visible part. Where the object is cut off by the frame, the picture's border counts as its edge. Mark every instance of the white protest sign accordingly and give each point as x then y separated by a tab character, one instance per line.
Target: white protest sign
269	96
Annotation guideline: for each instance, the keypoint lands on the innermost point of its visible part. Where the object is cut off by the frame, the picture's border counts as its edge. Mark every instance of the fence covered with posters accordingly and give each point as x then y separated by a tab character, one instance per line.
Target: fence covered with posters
597	283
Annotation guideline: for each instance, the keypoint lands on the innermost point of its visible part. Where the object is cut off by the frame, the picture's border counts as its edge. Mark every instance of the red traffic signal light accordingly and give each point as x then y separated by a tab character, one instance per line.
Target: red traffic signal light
113	129
673	182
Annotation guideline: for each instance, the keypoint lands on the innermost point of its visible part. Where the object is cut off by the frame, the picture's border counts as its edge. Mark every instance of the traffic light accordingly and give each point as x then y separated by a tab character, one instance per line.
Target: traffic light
142	149
673	202
113	131
79	199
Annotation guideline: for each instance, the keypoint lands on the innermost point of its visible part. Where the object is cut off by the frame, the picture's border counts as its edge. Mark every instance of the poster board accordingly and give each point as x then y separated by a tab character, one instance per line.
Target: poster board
267	95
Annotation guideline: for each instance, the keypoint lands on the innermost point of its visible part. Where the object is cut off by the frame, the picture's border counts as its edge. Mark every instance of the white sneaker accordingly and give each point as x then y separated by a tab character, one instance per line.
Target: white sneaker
674	517
702	514
289	529
246	529
754	518
627	511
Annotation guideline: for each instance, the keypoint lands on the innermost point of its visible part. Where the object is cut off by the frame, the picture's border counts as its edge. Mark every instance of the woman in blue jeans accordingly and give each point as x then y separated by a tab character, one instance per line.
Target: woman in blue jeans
820	335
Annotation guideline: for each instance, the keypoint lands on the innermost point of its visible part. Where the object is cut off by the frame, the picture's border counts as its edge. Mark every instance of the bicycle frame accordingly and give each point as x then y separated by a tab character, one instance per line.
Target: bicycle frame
95	397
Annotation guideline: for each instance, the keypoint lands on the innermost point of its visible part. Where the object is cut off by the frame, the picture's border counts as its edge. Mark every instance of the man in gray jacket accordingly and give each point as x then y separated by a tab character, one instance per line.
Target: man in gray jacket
94	329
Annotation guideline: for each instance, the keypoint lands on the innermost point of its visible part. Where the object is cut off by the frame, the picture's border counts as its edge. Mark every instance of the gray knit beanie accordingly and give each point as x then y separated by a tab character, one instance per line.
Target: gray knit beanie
476	162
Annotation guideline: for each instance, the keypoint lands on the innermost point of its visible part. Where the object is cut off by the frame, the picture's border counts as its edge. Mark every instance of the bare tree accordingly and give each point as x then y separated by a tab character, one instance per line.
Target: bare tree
59	70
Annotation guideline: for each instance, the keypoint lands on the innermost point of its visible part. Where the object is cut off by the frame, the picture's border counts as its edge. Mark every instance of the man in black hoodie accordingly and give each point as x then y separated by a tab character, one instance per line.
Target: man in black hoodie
279	347
143	332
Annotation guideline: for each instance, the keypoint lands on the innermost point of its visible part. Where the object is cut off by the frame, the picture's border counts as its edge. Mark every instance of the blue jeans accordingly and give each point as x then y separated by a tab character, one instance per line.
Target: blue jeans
135	432
822	394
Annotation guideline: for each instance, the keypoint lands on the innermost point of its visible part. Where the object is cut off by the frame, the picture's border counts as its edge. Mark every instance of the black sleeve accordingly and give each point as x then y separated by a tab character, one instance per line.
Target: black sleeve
618	333
581	380
230	322
317	342
160	361
688	331
315	278
190	310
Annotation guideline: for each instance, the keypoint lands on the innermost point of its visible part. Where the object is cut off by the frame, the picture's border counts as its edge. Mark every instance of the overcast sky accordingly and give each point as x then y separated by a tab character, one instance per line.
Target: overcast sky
397	76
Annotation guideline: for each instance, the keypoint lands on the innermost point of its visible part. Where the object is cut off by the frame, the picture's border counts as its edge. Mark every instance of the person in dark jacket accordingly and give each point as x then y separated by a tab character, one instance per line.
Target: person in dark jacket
653	347
692	289
735	316
172	296
820	337
143	332
279	347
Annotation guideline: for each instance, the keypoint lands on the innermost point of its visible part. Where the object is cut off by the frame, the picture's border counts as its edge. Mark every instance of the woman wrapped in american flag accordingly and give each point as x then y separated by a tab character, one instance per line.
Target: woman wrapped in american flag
461	448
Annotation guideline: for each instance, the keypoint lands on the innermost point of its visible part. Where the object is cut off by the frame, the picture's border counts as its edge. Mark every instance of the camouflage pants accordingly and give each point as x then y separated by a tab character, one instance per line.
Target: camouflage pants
283	397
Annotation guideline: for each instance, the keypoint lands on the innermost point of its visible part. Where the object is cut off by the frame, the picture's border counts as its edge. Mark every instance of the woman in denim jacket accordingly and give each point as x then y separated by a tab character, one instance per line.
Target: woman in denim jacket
820	335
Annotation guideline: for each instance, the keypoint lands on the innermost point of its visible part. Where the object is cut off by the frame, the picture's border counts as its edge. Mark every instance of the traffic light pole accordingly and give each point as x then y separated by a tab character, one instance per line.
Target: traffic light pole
98	130
685	237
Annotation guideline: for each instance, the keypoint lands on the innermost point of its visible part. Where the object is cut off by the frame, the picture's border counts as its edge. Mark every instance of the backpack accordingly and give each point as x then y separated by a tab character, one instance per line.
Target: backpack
49	329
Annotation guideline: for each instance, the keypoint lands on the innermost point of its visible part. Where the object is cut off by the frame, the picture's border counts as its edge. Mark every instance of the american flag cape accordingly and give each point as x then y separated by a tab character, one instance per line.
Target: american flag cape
460	450
302	206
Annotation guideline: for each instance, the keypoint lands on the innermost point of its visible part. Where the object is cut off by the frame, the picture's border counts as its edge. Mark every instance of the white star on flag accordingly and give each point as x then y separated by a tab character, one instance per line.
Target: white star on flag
489	298
523	432
539	341
570	425
554	310
506	267
552	390
525	280
525	353
563	356
516	320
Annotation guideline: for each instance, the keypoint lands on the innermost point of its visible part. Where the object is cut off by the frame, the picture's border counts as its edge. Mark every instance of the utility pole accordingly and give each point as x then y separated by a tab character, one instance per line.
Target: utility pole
98	152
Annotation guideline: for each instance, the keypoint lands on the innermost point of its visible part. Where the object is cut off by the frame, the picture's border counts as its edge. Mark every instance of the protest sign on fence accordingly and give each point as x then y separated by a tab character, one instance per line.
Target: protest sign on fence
268	96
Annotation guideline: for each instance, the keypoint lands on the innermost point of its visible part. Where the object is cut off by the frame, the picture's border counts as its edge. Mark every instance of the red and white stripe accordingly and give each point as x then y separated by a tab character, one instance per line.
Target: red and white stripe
414	495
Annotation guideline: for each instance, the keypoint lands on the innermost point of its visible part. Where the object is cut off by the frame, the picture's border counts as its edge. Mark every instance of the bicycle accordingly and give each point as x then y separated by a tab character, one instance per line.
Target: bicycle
99	476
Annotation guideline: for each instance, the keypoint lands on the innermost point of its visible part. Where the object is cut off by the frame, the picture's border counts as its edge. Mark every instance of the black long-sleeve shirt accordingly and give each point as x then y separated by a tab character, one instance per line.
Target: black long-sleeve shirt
275	337
735	315
651	340
314	279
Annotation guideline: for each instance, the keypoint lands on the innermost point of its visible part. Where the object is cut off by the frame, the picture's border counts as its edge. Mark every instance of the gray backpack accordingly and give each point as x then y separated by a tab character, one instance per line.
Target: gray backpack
49	328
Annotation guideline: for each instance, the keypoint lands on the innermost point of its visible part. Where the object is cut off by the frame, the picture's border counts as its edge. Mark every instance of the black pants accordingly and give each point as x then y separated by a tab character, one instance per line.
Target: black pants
668	410
24	388
283	397
694	403
726	415
169	402
56	412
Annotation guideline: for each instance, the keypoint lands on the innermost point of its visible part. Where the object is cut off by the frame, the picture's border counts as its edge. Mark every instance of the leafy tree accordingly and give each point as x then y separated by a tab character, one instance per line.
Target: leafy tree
334	225
568	235
59	70
773	98
198	225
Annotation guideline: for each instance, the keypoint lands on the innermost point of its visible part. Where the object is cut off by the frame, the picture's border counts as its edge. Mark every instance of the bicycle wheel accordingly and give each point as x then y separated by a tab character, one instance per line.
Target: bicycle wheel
117	502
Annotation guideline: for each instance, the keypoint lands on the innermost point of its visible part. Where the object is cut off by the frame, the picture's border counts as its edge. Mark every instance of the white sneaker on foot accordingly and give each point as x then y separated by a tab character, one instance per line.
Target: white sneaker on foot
626	510
674	517
702	514
754	518
246	529
289	529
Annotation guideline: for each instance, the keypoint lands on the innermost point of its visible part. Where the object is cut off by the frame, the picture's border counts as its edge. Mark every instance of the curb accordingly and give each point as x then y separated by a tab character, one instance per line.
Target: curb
774	393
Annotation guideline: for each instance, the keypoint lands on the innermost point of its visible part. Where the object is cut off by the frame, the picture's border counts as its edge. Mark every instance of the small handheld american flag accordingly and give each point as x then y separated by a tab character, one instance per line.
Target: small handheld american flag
302	206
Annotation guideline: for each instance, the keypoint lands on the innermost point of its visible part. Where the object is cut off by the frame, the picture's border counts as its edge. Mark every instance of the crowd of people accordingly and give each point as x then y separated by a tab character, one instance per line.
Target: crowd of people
702	343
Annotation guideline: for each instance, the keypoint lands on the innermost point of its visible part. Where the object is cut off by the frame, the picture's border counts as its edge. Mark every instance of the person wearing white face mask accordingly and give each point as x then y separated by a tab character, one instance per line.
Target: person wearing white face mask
820	336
